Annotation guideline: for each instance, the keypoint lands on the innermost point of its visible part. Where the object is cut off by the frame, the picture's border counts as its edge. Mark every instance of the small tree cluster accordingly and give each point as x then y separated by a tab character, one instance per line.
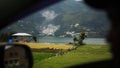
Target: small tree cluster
79	40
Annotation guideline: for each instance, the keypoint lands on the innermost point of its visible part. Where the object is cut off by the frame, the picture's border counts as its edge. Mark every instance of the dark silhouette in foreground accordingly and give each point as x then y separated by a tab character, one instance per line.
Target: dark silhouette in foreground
111	7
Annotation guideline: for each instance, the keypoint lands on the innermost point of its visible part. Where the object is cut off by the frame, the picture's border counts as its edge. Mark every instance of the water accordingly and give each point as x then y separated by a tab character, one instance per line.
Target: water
95	41
70	39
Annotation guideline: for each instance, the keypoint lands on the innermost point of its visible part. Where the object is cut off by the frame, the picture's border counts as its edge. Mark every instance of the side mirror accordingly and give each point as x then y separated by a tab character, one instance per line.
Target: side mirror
15	56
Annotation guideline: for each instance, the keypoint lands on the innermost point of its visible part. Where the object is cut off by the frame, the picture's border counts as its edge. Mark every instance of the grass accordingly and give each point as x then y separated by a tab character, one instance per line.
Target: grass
40	56
81	55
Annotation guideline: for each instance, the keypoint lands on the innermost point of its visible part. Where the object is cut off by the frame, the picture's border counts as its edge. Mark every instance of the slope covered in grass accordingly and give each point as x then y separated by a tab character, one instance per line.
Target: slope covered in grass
40	56
83	54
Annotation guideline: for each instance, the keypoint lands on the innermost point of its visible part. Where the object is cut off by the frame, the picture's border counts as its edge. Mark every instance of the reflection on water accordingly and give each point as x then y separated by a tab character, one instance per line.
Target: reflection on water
70	39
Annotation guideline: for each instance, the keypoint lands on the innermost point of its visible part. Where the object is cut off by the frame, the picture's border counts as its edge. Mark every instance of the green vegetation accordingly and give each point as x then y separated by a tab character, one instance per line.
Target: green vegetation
40	56
83	54
79	40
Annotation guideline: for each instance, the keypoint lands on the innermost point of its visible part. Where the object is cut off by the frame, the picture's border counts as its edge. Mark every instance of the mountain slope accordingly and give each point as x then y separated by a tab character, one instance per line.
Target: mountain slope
70	16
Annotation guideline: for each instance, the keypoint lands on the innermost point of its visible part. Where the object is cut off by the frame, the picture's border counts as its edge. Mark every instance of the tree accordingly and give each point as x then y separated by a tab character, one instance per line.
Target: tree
75	40
80	38
35	38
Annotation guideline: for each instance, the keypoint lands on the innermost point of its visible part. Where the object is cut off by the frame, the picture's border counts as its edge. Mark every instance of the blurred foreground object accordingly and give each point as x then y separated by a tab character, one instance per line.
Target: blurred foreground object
15	56
112	8
13	10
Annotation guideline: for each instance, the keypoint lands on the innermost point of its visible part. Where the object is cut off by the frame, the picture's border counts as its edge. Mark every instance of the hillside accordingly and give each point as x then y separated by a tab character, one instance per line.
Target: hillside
65	18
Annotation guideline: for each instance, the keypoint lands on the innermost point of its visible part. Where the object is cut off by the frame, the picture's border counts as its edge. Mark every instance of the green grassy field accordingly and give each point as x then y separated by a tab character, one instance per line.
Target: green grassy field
83	54
40	56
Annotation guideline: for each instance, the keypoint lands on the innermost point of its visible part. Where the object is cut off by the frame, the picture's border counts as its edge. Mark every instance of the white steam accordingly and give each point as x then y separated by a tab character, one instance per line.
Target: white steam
76	25
49	14
72	33
50	29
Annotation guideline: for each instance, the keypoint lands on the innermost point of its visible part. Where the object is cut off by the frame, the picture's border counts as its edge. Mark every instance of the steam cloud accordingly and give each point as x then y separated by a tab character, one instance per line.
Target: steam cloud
50	29
49	14
76	25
